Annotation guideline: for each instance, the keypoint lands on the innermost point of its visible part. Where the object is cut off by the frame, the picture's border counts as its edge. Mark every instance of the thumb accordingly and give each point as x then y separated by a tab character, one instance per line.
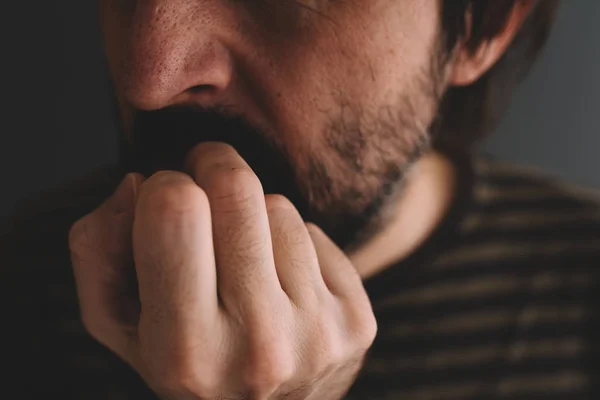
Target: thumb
102	231
100	245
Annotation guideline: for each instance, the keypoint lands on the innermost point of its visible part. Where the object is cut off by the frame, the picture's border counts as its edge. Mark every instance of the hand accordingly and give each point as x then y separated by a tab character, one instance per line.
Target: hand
212	290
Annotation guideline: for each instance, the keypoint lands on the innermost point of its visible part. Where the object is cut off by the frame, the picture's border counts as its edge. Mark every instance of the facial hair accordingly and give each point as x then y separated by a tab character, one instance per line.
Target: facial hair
348	187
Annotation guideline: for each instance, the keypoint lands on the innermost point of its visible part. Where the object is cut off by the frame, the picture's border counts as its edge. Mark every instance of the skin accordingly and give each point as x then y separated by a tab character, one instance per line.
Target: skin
211	288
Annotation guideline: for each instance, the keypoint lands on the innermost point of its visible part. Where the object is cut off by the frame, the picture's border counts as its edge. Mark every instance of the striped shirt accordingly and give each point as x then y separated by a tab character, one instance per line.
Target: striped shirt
500	302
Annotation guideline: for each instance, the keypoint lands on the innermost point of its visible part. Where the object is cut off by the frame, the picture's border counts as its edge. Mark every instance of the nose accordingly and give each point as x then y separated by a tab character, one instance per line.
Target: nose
175	55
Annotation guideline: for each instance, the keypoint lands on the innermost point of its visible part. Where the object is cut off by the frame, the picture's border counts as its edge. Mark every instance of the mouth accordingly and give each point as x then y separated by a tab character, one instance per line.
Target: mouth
162	139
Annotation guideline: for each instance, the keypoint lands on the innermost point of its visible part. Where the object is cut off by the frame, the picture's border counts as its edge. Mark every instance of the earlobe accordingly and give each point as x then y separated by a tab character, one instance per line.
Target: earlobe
468	65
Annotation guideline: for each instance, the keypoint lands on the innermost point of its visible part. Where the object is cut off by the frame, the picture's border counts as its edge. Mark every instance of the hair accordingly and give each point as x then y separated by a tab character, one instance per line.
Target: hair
470	112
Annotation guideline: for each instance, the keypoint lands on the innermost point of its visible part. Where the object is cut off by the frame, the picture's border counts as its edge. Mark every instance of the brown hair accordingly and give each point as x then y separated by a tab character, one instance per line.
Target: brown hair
468	113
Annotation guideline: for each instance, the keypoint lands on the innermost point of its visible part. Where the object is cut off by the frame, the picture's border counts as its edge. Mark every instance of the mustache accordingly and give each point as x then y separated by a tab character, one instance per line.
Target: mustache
161	140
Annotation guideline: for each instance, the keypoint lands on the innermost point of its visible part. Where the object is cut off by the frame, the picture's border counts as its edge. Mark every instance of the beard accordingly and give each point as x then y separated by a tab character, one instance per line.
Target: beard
347	184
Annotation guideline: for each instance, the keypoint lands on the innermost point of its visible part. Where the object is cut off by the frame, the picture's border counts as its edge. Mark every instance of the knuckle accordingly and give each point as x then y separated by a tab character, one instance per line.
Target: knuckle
328	346
369	330
270	365
311	299
285	218
363	326
183	377
314	231
175	197
204	152
234	186
278	202
78	236
312	227
288	228
160	178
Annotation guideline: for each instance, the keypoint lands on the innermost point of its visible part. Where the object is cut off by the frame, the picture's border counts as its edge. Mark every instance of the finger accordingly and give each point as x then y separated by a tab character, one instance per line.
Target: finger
295	257
100	245
247	279
339	274
345	284
174	258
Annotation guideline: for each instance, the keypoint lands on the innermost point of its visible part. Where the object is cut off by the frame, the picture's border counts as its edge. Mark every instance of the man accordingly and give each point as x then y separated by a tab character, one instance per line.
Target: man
302	218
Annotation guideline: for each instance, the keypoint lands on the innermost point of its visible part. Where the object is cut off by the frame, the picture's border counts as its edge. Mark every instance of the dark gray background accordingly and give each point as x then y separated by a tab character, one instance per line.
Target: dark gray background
554	119
62	126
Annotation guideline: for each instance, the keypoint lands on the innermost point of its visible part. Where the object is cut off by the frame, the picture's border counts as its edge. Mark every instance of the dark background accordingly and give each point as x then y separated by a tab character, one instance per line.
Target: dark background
59	124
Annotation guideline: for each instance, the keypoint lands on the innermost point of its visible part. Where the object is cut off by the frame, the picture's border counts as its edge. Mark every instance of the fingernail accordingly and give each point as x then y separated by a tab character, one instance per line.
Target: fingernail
123	197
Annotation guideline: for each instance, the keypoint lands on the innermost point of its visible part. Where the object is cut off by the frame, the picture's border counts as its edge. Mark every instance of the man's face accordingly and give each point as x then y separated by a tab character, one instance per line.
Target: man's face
328	100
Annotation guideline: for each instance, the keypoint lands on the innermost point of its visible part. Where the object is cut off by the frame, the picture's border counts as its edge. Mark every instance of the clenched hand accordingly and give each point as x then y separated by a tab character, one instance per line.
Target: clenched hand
212	290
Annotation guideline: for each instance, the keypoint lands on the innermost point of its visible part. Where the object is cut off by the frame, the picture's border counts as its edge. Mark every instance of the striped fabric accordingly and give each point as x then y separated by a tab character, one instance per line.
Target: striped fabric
501	302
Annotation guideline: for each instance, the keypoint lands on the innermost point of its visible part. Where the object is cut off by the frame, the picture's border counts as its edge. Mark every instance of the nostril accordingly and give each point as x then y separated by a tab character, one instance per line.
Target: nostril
201	88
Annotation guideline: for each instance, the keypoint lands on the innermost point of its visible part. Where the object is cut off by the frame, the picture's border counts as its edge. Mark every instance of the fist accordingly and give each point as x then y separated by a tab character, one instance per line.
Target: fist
212	290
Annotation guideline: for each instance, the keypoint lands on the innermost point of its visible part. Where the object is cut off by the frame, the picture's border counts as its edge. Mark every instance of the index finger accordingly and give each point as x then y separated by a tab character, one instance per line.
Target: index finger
174	259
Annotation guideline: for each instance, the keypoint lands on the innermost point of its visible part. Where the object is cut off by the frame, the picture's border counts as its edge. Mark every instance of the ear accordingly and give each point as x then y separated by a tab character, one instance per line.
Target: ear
468	66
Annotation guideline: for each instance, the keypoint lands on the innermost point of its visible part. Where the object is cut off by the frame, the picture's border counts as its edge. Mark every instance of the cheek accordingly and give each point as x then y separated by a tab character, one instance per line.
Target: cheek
385	53
363	58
